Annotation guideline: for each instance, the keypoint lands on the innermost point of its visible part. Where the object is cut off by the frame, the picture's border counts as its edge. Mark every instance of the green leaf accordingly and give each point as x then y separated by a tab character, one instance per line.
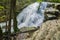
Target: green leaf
1	7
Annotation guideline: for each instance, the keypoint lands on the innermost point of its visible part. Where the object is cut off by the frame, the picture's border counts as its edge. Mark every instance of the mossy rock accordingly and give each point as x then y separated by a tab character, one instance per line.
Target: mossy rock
27	29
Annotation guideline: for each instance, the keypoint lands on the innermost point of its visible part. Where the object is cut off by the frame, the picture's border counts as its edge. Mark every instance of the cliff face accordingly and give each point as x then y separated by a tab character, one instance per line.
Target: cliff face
50	29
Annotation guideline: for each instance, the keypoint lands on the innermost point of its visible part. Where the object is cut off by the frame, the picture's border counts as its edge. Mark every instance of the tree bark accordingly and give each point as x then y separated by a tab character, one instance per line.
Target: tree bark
13	4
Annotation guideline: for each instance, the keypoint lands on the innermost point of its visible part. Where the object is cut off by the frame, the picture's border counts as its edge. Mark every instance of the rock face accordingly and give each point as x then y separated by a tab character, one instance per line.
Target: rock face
50	30
52	11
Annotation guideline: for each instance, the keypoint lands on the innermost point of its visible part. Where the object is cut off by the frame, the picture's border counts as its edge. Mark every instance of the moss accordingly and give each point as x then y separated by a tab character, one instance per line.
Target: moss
39	0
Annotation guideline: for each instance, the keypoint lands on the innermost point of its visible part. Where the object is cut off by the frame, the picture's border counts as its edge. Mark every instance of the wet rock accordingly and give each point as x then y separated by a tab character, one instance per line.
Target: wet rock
28	29
52	13
51	5
58	7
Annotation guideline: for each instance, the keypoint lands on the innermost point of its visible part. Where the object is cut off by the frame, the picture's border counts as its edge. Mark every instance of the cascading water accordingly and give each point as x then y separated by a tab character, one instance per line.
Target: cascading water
31	16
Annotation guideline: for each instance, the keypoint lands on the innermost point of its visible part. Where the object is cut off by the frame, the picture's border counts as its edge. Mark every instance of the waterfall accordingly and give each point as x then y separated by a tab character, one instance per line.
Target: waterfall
30	16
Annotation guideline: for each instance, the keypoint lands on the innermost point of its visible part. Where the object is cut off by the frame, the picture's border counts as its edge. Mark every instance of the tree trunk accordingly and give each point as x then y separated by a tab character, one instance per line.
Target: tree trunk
1	34
13	2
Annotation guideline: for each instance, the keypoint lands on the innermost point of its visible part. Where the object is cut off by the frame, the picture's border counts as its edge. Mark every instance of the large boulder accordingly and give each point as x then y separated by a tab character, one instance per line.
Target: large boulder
50	30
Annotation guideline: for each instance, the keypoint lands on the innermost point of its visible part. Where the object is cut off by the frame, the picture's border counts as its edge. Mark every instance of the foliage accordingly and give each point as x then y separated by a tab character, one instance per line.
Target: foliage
1	7
49	0
39	0
54	0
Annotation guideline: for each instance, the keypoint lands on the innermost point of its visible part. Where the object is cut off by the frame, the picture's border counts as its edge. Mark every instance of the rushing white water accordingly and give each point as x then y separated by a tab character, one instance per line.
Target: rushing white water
31	16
